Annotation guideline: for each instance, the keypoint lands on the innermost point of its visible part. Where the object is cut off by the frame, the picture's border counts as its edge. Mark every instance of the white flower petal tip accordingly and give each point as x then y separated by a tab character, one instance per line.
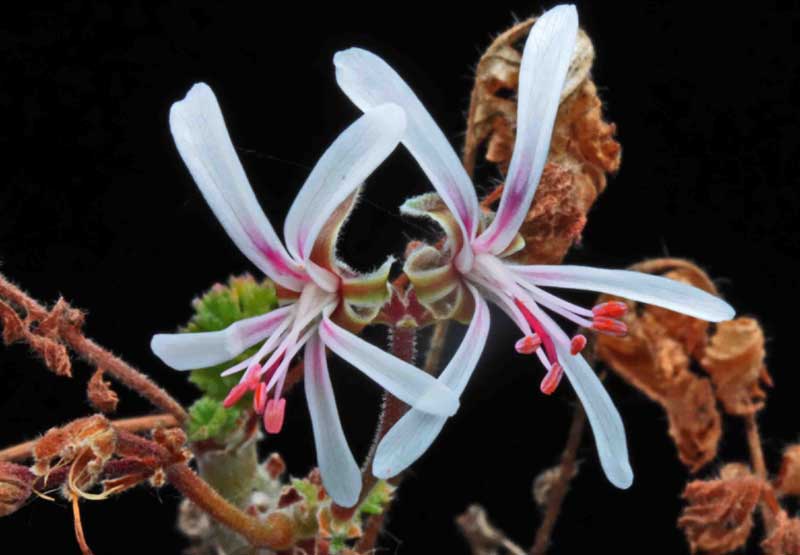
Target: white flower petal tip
341	475
636	286
606	423
545	62
405	443
190	351
620	475
406	382
202	139
438	400
369	81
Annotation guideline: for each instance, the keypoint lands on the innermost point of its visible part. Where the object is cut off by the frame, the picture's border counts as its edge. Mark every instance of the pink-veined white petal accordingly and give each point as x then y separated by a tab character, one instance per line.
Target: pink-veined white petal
637	286
606	423
411	436
406	382
189	351
204	144
352	157
340	473
369	81
545	61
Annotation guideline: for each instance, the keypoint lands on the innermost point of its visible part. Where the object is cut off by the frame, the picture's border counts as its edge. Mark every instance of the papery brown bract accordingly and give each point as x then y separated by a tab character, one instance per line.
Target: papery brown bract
719	514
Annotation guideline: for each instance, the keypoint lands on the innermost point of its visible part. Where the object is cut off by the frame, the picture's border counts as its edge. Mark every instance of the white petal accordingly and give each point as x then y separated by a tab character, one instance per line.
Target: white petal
545	61
351	158
607	427
406	382
205	146
189	351
340	473
636	286
411	436
369	81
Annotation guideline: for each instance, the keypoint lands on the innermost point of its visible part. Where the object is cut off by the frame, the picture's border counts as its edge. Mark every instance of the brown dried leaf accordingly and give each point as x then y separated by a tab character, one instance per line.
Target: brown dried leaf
788	480
785	536
655	358
735	360
100	394
719	514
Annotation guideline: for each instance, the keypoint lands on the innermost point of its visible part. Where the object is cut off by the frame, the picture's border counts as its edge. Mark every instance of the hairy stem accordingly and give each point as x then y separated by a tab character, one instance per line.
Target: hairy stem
124	373
95	354
275	533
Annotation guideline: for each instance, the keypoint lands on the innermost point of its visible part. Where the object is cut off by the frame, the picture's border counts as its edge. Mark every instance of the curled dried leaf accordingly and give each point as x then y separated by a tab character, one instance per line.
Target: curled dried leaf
100	394
734	359
784	538
719	514
16	486
656	357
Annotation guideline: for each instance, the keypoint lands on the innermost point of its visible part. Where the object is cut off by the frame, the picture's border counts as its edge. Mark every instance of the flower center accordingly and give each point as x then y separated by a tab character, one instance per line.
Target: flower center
279	350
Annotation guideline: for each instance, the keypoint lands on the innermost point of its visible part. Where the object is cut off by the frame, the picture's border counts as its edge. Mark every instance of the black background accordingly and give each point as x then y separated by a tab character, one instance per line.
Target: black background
95	205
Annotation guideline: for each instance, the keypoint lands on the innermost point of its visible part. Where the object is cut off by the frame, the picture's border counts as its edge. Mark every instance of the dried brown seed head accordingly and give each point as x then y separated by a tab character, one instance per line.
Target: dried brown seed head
719	514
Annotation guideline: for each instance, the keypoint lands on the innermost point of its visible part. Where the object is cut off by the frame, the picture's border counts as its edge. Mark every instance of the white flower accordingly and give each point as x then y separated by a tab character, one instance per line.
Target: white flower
323	294
476	268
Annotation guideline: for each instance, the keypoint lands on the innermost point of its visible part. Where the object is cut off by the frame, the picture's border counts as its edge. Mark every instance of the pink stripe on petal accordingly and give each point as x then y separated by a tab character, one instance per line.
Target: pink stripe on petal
545	61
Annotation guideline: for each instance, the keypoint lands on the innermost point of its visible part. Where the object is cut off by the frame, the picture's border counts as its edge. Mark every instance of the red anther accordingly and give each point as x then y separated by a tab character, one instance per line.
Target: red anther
528	344
552	379
577	344
610	326
235	394
611	309
260	397
273	415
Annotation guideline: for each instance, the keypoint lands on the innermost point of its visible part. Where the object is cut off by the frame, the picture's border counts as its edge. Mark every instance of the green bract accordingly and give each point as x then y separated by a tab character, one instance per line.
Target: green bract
243	297
209	419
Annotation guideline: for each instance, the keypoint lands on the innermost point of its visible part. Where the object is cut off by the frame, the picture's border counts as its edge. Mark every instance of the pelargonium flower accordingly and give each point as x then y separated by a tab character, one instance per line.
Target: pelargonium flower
476	263
324	300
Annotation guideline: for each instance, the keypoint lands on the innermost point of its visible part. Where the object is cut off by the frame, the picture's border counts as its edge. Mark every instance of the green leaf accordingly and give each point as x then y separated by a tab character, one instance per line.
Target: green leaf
208	419
217	309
